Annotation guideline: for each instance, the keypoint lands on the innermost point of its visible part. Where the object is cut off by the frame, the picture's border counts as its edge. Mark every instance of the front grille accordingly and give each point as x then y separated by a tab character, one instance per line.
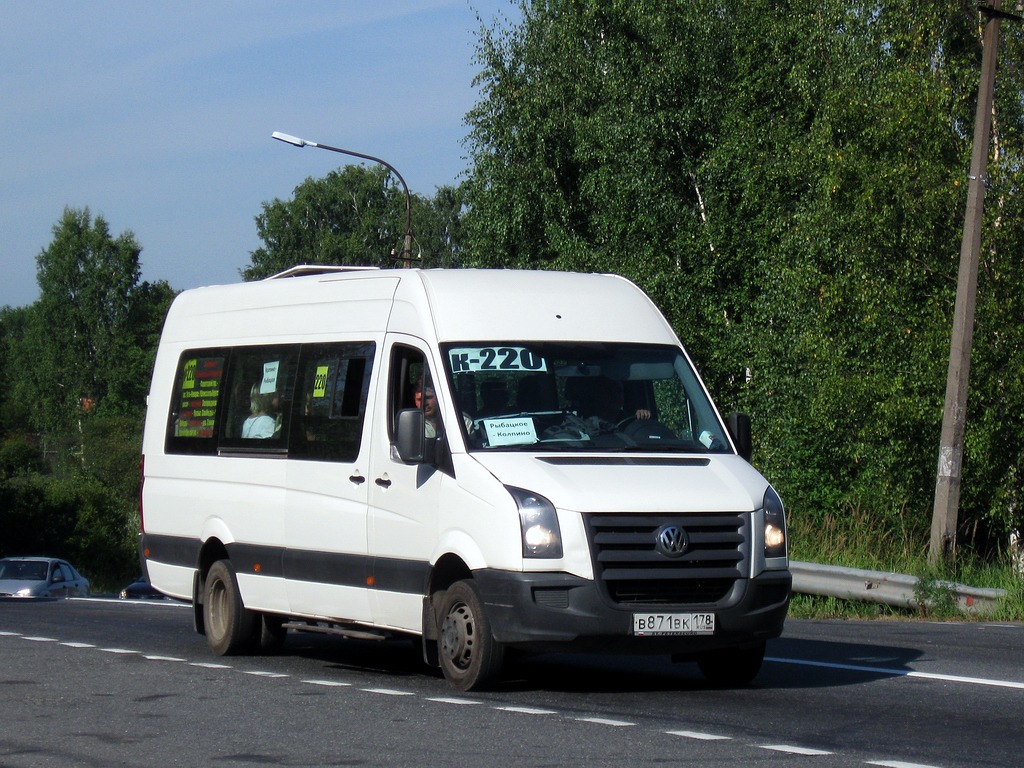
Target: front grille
633	571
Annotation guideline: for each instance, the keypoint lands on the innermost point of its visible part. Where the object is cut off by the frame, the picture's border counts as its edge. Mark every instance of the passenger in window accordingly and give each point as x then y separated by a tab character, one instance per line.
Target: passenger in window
262	422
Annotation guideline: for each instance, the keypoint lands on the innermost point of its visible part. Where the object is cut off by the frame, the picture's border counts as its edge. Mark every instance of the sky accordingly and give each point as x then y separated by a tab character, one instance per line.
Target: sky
158	116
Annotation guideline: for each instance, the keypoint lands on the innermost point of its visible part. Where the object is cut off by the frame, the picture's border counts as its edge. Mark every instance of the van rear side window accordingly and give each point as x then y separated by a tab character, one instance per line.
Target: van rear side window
306	401
196	401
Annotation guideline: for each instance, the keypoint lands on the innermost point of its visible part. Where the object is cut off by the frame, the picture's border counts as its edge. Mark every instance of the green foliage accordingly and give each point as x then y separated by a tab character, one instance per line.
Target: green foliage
75	517
16	395
19	456
354	216
87	345
74	372
85	281
787	182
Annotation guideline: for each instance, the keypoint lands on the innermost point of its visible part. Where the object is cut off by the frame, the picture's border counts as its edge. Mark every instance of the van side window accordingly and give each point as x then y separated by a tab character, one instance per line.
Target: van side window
259	388
195	402
333	385
411	386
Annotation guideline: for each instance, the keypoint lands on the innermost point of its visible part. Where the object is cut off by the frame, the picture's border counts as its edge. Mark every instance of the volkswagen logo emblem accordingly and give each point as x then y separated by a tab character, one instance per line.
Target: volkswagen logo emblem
671	541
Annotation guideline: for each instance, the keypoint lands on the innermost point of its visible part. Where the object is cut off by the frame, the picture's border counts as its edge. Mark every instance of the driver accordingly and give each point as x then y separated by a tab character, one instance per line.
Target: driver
606	406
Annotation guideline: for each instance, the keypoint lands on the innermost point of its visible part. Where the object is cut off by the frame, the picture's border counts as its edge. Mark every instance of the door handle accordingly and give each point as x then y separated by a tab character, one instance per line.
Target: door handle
357	479
383	482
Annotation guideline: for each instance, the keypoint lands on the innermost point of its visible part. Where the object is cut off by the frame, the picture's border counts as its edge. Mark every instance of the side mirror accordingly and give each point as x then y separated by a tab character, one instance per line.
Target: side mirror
739	429
410	436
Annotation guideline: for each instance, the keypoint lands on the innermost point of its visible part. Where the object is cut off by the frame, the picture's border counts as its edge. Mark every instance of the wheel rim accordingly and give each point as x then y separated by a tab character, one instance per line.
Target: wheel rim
217	613
458	636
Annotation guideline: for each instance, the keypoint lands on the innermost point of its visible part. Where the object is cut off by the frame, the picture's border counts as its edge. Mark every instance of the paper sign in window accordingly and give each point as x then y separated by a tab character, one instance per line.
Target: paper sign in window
517	431
269	381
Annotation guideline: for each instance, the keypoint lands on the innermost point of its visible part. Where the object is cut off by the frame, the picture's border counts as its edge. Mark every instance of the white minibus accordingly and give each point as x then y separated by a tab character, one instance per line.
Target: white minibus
480	460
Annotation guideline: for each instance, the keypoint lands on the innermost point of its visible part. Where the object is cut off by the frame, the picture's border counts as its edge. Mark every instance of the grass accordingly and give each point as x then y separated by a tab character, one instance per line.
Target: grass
857	539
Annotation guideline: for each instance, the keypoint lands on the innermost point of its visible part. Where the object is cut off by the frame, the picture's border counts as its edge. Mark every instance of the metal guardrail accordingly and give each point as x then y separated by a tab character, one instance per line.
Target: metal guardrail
893	589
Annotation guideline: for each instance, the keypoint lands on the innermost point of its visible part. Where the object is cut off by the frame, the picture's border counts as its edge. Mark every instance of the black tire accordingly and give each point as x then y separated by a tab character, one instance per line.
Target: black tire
230	627
470	656
732	667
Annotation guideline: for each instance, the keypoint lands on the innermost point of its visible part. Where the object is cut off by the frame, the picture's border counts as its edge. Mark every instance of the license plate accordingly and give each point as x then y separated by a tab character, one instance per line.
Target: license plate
651	624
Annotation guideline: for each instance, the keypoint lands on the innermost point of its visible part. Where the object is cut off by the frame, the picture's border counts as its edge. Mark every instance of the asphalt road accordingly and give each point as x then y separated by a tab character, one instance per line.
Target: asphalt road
111	683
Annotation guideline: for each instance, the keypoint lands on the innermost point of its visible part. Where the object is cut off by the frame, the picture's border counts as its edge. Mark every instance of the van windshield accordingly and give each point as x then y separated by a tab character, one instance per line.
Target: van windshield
551	396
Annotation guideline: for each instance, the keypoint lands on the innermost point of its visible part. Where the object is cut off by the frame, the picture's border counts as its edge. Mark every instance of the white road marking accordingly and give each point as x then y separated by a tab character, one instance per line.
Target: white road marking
328	683
452	700
791	750
901	672
387	691
604	721
699	736
898	764
527	710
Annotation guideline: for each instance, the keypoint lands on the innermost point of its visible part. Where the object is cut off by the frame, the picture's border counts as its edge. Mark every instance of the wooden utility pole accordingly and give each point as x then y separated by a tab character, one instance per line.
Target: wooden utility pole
954	416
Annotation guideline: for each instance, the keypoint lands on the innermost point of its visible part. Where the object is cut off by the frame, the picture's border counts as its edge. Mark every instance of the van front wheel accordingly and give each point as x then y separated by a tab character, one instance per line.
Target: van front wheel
469	654
230	626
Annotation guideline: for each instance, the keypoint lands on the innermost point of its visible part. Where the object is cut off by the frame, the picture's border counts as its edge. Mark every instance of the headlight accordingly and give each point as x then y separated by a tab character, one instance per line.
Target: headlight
27	592
539	524
774	525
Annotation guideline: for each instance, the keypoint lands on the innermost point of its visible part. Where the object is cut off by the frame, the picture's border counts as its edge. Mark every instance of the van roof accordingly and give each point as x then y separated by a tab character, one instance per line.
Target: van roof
492	305
459	304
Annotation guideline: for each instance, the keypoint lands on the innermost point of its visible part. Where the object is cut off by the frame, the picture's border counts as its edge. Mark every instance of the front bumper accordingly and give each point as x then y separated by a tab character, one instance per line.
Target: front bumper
547	612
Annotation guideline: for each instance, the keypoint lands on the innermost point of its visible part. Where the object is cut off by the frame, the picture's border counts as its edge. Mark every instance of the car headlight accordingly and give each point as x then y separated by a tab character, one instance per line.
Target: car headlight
774	525
539	524
26	592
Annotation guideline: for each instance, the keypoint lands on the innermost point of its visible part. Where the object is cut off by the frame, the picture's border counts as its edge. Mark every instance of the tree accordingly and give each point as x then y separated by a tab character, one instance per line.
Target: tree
16	395
786	182
83	337
587	147
353	216
74	371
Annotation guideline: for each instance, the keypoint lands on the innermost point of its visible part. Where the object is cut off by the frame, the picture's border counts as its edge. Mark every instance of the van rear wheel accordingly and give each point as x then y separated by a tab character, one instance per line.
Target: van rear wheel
230	626
469	654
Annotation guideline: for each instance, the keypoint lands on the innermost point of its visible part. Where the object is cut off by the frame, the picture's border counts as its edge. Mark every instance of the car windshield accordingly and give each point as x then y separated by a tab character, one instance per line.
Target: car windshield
549	396
23	570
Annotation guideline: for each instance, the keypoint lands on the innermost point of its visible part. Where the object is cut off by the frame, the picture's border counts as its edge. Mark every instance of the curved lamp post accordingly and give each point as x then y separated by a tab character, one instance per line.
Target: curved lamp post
407	241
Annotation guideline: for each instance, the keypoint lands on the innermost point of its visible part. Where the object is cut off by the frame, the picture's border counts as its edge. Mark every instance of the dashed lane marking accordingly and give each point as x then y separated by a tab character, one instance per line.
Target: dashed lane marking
452	700
604	721
526	710
328	683
699	736
791	750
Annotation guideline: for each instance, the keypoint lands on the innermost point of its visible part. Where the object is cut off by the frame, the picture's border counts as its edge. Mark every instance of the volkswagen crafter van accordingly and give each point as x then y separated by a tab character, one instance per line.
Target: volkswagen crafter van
481	460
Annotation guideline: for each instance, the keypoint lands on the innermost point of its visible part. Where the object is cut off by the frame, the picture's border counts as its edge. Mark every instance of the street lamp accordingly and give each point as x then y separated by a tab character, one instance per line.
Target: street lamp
407	241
